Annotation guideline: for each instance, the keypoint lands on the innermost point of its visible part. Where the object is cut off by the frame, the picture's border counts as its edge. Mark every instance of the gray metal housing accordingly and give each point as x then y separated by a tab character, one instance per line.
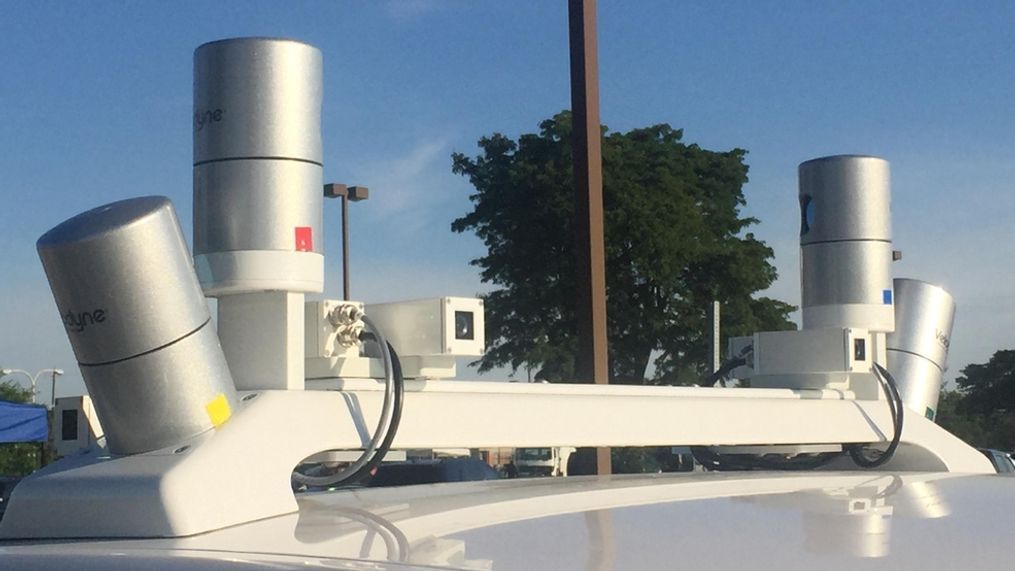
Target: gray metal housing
918	348
845	240
257	165
137	320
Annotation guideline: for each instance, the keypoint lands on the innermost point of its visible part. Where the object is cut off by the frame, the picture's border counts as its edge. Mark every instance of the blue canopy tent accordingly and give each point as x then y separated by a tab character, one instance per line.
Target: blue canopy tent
23	422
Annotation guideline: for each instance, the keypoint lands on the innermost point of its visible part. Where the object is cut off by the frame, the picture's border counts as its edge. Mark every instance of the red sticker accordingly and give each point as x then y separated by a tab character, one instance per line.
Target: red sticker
304	239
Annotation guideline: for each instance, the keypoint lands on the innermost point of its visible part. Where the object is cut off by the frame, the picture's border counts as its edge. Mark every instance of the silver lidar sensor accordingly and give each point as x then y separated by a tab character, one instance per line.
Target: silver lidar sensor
257	166
846	243
138	323
918	348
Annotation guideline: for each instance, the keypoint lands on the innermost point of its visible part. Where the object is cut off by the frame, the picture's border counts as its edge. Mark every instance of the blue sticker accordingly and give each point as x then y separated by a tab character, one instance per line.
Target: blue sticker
886	296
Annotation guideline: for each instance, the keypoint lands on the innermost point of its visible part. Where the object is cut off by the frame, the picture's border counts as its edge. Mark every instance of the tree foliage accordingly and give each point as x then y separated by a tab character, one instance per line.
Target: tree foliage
989	387
982	410
11	391
675	240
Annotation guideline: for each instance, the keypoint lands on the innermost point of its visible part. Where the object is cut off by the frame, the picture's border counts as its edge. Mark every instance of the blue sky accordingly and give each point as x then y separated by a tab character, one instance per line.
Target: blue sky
95	106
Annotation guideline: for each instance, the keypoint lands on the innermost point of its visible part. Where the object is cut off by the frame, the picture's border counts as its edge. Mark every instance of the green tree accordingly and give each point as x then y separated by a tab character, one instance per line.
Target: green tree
994	429
989	387
675	240
951	416
17	459
982	410
11	391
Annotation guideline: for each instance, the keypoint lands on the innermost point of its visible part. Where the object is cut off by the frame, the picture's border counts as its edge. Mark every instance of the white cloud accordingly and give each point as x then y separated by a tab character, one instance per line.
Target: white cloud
407	191
398	180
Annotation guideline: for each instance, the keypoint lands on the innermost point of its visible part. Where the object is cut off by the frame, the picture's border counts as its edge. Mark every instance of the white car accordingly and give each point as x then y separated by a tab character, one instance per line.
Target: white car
752	520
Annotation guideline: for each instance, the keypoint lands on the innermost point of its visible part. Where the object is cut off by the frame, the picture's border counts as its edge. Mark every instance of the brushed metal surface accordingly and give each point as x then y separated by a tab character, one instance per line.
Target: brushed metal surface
123	279
138	322
845	272
845	197
918	380
845	239
876	318
160	398
918	348
924	314
257	152
257	97
256	205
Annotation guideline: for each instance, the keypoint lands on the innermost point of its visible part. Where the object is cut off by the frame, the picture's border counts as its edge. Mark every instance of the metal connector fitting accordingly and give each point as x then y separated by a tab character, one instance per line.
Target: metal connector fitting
348	324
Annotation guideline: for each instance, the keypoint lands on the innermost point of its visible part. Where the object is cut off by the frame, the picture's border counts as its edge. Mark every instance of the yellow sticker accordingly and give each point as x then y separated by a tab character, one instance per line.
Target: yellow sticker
218	410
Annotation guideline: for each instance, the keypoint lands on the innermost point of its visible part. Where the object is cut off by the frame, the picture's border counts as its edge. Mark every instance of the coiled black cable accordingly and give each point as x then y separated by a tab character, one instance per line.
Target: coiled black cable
712	460
895	404
727	367
396	419
391	415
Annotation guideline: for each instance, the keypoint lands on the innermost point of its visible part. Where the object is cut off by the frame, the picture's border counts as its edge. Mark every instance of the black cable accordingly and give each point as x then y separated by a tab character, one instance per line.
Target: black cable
728	366
856	451
380	442
396	419
895	404
712	460
724	370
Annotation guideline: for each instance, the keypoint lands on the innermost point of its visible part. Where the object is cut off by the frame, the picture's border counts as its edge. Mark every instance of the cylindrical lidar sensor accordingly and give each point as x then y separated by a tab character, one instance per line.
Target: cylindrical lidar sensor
846	243
257	166
918	348
138	323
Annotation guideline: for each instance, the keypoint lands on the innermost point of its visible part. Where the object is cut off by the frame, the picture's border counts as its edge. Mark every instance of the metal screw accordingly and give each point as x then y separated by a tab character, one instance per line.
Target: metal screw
251	396
181	449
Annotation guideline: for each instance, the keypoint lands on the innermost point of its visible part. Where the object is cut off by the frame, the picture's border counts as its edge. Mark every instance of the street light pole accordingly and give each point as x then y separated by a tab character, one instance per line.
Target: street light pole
346	193
34	379
52	387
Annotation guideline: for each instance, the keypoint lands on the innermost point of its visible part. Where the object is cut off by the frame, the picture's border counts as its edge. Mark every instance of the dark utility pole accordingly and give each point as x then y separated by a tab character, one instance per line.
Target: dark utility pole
52	391
355	194
591	361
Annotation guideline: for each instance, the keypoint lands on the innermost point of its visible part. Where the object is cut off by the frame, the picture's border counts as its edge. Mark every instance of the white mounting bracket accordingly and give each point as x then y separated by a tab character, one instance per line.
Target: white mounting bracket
241	471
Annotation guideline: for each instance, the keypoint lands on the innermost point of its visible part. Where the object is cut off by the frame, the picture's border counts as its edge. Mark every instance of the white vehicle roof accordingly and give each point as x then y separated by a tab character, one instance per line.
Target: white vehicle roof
826	520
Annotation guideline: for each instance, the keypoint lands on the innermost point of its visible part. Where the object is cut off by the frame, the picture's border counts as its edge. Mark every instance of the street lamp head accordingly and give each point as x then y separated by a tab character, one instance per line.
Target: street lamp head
357	193
5	372
335	190
57	371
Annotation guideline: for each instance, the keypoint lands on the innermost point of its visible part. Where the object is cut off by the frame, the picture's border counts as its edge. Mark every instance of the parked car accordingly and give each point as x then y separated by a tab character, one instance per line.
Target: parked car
431	472
1001	460
7	484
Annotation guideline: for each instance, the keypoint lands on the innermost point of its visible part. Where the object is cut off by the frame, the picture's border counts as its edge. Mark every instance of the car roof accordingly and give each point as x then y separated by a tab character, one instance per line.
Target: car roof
732	520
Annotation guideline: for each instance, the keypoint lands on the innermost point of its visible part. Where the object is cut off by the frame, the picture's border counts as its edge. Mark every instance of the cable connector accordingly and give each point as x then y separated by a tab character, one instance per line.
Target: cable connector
347	319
